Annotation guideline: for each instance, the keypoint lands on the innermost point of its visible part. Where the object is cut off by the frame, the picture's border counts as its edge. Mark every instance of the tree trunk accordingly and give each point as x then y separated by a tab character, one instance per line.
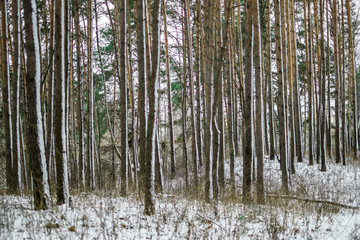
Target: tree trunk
59	114
188	36
248	131
35	137
281	108
16	96
269	82
209	88
153	108
169	95
259	121
328	134
11	175
79	96
354	84
309	81
297	107
323	83
337	86
123	101
141	49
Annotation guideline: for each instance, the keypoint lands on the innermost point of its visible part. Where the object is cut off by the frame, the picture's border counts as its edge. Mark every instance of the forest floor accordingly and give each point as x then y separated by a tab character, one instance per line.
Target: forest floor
101	216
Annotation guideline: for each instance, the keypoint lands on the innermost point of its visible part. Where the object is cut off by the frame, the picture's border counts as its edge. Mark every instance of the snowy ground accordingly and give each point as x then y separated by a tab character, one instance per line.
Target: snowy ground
109	217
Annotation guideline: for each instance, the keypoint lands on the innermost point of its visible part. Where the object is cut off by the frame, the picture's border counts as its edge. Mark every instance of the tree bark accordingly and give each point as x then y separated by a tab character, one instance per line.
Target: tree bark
153	108
123	101
281	107
35	137
259	120
188	36
169	95
59	113
354	83
337	85
248	131
16	96
11	176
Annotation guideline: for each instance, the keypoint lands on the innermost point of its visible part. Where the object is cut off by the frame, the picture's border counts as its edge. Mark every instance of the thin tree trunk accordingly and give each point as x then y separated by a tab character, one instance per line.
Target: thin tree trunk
297	107
16	96
248	131
337	86
142	71
184	114
342	86
323	83
188	36
123	101
354	84
269	82
209	88
309	82
153	108
328	135
199	80
79	97
259	121
281	108
11	175
169	95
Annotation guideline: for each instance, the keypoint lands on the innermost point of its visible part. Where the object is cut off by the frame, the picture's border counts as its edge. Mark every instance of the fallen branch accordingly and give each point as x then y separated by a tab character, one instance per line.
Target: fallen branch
314	201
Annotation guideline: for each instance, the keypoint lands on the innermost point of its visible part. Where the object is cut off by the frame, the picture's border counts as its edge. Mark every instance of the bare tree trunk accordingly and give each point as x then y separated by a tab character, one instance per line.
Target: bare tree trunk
188	36
323	83
309	81
35	137
354	84
11	176
59	114
169	95
79	97
199	80
337	86
209	88
248	104
184	114
141	49
123	101
49	148
153	108
268	80
259	121
297	107
16	96
328	134
342	86
281	108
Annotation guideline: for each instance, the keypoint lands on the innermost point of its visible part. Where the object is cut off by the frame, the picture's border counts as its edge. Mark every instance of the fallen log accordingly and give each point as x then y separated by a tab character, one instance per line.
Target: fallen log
314	201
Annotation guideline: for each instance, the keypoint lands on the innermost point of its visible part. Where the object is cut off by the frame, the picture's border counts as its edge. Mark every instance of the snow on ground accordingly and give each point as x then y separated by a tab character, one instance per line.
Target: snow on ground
107	217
